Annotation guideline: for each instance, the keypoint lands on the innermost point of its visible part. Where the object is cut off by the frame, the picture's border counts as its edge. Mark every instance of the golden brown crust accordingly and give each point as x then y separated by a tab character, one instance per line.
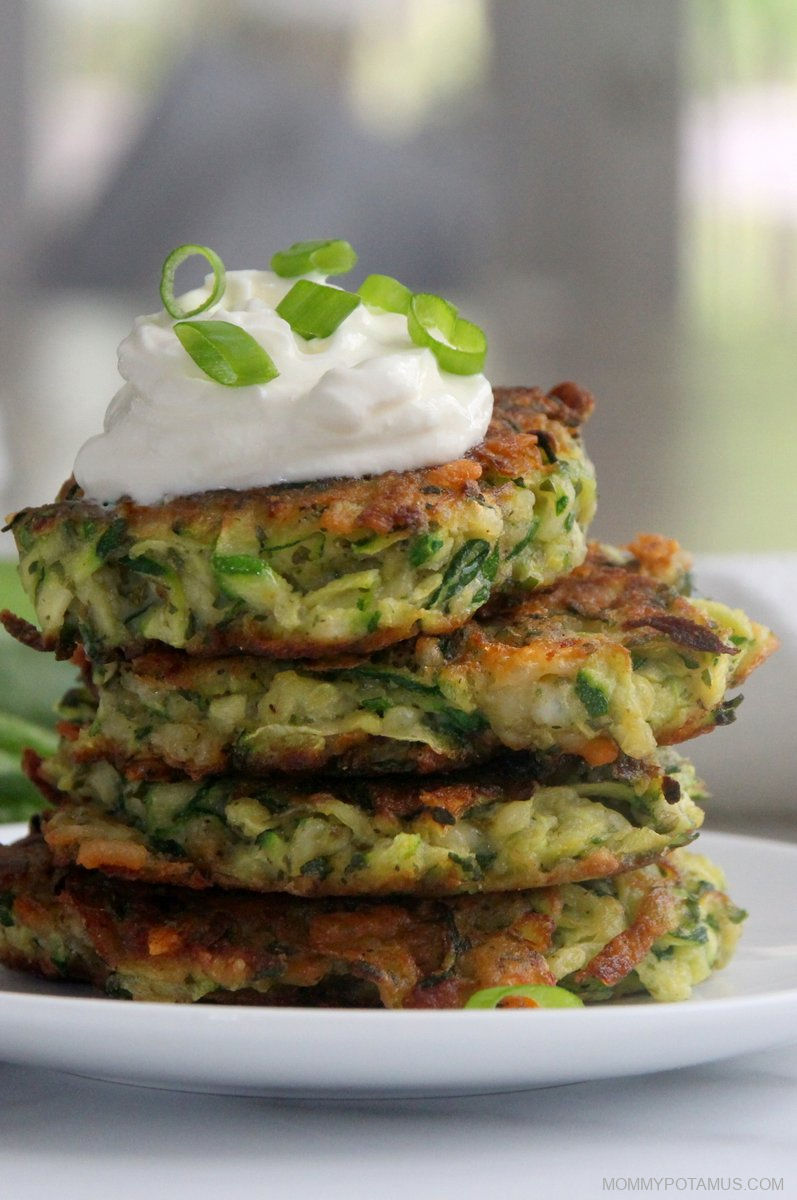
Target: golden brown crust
399	948
529	432
658	914
248	637
620	595
527	426
661	557
72	845
408	952
81	831
610	604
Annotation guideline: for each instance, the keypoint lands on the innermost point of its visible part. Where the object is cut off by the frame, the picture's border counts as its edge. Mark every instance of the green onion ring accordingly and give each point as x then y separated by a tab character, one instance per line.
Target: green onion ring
170	265
330	257
544	996
458	345
226	353
315	310
385	293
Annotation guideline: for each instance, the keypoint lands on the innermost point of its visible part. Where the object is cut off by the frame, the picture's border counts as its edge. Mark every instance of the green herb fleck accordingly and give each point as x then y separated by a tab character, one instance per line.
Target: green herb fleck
423	547
592	694
485	858
144	565
699	935
525	540
469	562
111	539
468	866
456	724
318	867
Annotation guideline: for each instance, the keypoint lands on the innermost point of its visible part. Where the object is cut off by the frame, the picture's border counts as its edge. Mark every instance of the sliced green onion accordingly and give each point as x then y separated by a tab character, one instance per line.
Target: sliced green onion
386	293
226	352
17	733
543	995
314	310
170	265
331	257
458	345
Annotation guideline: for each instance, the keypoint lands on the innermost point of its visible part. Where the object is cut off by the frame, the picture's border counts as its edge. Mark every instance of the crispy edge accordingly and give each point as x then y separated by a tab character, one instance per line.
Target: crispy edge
133	859
620	594
444	799
657	914
528	431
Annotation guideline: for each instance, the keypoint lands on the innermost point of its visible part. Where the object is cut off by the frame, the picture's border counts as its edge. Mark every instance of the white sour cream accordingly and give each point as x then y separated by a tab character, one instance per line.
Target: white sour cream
364	401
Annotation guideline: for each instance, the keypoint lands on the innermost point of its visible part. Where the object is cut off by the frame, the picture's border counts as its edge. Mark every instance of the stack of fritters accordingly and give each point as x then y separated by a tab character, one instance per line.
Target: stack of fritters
380	741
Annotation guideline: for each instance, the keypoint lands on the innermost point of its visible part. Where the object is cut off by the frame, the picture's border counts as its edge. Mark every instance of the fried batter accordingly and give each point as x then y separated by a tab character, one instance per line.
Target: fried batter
319	568
170	944
610	660
524	823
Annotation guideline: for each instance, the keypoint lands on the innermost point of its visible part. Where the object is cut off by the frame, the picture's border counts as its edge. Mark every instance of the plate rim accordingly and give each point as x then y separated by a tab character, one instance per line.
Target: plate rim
285	1013
333	1054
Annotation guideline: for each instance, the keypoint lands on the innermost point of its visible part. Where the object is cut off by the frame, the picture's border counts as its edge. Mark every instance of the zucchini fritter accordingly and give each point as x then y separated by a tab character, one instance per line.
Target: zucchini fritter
611	659
525	823
320	568
660	929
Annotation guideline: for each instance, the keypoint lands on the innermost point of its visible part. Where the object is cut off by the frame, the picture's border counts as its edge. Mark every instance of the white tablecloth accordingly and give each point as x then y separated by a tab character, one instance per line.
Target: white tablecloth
73	1139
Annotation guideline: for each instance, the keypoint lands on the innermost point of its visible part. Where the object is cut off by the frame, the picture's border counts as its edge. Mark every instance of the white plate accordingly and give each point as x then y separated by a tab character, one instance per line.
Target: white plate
752	1005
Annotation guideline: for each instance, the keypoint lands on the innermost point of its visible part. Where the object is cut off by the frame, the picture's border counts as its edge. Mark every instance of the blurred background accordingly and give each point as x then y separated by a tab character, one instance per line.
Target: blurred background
609	189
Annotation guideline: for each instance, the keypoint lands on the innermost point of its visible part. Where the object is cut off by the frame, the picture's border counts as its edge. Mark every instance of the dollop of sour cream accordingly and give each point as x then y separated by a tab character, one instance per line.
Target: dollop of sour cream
363	401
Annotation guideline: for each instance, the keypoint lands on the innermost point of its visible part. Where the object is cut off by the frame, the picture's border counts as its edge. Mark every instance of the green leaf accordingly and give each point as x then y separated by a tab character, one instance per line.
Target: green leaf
226	353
